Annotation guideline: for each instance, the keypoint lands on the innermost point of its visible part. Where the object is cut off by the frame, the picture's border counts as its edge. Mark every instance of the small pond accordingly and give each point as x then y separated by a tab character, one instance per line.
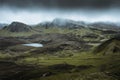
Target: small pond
34	45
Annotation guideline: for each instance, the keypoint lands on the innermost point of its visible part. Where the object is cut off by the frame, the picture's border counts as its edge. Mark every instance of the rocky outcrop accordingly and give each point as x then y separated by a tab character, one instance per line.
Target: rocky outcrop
18	27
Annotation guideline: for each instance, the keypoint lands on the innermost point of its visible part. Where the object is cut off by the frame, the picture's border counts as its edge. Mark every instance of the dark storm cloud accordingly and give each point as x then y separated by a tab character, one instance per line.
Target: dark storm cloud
62	4
35	11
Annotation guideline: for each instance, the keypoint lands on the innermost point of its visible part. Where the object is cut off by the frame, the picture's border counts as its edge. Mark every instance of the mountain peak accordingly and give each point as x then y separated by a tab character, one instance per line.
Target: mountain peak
18	27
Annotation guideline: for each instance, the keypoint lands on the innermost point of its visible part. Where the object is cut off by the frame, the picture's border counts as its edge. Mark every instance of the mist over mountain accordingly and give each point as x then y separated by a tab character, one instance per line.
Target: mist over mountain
105	25
2	25
63	23
68	23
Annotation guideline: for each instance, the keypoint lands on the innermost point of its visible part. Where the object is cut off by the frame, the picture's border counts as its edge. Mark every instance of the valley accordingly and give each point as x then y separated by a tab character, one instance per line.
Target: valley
60	51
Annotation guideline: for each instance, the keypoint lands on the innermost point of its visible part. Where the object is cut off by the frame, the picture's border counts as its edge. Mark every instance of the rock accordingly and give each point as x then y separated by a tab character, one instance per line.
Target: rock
46	74
18	27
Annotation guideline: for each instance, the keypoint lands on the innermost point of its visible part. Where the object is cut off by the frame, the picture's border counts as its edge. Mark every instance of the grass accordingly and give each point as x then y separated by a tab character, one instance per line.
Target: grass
3	56
82	31
100	66
86	65
77	76
77	59
5	33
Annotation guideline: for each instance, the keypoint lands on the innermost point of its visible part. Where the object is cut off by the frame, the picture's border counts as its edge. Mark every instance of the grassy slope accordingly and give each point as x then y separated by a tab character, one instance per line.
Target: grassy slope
101	65
5	33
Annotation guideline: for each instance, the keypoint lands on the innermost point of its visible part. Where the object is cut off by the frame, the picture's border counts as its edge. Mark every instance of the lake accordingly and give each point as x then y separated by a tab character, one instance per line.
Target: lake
34	45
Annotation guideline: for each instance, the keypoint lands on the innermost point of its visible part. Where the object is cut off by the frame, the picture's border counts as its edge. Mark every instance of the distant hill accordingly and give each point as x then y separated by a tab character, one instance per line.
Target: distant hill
111	46
2	25
105	26
67	23
17	27
63	23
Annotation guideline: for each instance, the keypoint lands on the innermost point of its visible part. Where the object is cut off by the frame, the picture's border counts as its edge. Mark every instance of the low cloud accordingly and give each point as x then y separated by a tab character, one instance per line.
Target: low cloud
34	16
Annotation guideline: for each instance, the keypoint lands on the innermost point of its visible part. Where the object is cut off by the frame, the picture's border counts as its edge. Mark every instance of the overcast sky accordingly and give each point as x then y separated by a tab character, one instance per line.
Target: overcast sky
35	11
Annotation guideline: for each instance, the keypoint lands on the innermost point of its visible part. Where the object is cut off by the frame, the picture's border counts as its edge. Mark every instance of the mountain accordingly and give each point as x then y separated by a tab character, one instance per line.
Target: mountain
111	46
105	26
18	27
2	25
63	23
67	23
